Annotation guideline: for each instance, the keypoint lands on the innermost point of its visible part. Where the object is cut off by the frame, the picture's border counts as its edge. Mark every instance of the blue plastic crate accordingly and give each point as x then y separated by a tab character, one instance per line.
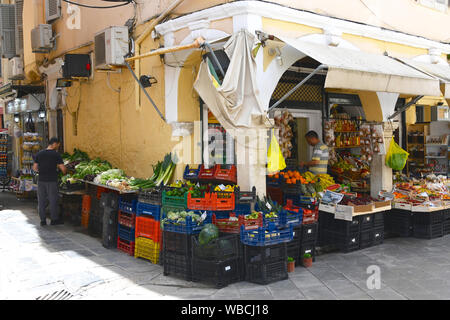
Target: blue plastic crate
188	226
294	218
272	182
260	237
126	233
278	221
191	174
148	209
221	214
127	206
242	209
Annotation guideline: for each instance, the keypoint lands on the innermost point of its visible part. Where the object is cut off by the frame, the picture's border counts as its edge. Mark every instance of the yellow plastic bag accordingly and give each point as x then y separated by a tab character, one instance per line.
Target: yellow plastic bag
396	157
275	159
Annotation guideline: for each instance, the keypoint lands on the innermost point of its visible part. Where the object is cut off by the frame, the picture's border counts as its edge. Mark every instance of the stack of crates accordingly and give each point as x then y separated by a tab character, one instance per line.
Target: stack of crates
219	262
372	229
265	264
95	226
148	227
109	203
85	209
428	225
126	225
399	222
340	234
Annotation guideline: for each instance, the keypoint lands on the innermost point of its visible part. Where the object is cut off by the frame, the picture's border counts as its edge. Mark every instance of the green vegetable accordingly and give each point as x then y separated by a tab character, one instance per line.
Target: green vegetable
208	233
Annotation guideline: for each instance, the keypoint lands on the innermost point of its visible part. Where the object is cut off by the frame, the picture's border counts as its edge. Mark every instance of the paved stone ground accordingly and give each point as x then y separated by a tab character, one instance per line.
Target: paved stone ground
37	261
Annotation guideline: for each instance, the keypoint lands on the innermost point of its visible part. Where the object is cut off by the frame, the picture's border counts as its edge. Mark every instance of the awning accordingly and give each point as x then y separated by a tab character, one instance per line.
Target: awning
440	71
357	70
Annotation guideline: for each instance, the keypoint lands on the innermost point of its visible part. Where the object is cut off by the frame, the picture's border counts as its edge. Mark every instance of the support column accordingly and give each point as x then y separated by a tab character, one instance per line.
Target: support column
251	158
380	174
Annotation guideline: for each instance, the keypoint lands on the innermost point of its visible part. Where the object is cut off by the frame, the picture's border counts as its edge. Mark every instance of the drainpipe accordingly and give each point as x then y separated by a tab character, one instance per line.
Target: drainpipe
142	37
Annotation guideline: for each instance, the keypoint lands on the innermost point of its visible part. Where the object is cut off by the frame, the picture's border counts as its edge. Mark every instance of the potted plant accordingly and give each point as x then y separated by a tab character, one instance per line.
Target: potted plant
290	264
307	260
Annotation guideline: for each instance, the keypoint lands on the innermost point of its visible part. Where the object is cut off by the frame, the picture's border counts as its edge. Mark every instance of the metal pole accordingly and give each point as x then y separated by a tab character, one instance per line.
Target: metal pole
322	66
145	91
406	106
215	60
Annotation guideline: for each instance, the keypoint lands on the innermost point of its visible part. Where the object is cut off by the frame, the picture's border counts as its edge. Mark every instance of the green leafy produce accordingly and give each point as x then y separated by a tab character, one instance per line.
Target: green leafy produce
209	232
253	215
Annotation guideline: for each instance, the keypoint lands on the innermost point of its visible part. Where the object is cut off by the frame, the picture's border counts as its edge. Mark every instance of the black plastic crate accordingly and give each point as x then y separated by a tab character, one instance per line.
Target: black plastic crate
378	219
344	227
151	196
178	265
242	197
179	243
399	222
265	273
446	227
343	242
309	232
366	221
307	247
255	254
378	236
446	214
366	238
218	273
95	225
109	200
109	232
293	250
426	218
428	231
224	248
297	234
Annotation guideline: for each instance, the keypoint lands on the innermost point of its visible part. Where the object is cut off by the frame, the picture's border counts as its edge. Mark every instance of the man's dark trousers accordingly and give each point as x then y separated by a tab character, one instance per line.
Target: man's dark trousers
48	193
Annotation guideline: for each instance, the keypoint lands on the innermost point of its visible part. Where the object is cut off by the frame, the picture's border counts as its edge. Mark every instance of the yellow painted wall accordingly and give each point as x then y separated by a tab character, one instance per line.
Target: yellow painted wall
110	127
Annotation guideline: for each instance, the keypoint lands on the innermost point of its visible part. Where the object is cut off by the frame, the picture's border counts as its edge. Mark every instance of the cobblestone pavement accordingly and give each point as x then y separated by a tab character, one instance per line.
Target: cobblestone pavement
63	262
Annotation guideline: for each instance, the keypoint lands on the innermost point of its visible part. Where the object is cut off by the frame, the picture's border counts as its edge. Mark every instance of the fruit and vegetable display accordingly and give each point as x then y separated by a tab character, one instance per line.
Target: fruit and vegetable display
431	191
179	217
308	184
71	160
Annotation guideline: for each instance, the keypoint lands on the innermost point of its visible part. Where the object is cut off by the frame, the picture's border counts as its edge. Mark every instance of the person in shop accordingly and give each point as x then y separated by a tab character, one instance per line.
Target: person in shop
319	159
46	163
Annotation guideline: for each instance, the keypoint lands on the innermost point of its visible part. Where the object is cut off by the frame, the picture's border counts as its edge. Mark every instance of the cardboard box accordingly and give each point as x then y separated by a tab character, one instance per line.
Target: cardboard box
402	206
330	208
380	204
365	208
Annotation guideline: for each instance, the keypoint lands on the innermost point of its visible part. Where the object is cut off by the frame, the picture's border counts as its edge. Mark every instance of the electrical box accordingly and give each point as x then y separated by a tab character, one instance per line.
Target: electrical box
76	66
41	37
52	10
16	69
7	30
111	45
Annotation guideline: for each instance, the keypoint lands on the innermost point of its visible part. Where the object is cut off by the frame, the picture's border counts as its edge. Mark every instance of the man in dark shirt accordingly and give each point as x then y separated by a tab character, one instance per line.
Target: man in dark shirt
46	162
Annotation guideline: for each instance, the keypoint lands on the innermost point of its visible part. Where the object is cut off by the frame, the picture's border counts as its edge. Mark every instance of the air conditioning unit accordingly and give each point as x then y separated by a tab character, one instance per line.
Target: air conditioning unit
52	10
16	69
41	39
7	30
111	45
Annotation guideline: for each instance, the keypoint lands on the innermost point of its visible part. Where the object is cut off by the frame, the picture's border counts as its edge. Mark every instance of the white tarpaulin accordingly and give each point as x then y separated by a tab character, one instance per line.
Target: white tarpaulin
235	103
440	71
352	69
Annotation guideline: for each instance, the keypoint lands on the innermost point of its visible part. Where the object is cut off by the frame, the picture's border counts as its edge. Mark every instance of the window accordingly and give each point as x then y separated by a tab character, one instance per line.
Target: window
441	5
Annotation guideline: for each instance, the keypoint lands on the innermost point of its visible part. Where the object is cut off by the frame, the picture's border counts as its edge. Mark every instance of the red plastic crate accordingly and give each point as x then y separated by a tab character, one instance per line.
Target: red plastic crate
127	219
207	174
86	203
199	203
222	201
101	190
234	226
148	228
290	206
85	218
310	216
226	174
125	246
